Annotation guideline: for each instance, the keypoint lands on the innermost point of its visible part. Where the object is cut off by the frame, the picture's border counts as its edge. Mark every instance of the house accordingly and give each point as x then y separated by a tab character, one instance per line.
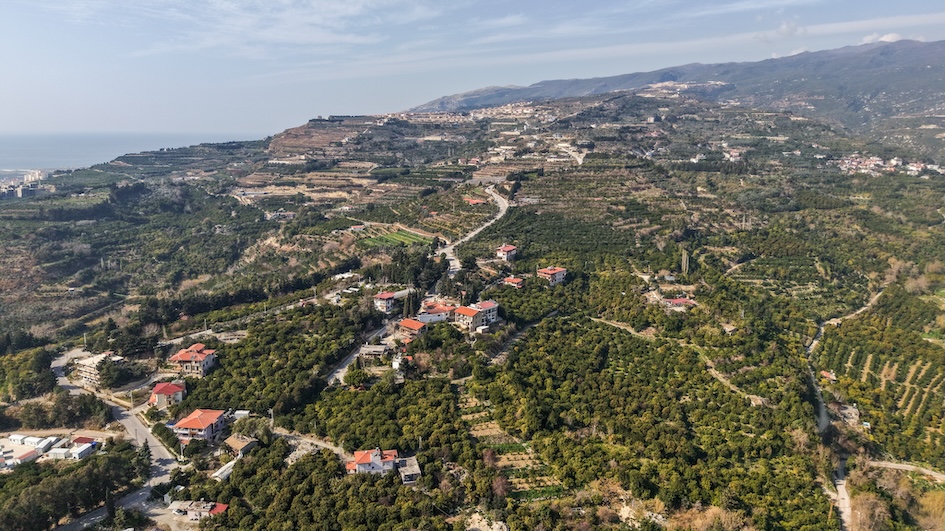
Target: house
374	461
506	252
372	352
554	275
468	317
240	444
201	424
679	302
409	470
829	376
489	311
517	283
384	301
434	312
81	452
195	360
87	368
197	510
166	394
412	327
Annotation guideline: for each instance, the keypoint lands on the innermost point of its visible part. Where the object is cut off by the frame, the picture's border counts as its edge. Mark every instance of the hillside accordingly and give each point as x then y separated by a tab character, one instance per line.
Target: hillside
887	90
718	257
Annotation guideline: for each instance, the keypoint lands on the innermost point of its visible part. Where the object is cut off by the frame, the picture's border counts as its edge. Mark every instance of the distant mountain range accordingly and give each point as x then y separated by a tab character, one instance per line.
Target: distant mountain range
876	88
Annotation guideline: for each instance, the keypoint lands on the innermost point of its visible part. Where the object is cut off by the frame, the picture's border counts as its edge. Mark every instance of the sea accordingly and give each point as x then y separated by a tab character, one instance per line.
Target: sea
21	153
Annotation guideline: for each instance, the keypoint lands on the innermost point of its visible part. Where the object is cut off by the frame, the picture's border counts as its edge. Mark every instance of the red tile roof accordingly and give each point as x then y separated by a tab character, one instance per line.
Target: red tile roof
200	419
218	508
384	295
79	441
412	324
363	457
506	248
167	388
681	301
195	352
551	270
467	311
487	305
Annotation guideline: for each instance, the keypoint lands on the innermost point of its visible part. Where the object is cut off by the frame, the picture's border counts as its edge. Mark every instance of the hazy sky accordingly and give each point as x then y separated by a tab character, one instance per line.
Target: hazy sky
260	66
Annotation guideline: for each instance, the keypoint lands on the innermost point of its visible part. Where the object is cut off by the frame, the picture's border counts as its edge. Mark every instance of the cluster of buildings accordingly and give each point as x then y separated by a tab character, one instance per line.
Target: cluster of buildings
20	448
473	318
857	163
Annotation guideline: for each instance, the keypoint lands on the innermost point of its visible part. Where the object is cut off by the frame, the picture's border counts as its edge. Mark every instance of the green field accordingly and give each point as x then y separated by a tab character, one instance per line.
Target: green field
401	237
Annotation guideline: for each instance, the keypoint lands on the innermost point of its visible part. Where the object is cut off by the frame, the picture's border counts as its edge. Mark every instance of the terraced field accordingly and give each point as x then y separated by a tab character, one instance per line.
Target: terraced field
391	239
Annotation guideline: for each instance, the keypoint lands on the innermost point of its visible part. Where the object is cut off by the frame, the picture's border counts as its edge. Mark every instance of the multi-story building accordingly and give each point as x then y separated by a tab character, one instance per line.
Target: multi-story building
195	360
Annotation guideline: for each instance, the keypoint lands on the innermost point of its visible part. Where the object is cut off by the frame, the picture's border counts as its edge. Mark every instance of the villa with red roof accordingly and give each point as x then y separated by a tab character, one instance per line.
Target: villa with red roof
412	327
195	360
374	461
468	317
384	301
201	424
435	312
166	394
517	283
489	310
554	275
679	302
506	252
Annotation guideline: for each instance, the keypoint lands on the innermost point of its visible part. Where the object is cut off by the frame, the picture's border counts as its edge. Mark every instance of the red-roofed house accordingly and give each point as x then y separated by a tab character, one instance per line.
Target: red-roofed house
374	461
412	327
201	424
554	275
506	252
517	283
166	394
489	311
195	360
384	301
679	302
473	201
468	317
434	312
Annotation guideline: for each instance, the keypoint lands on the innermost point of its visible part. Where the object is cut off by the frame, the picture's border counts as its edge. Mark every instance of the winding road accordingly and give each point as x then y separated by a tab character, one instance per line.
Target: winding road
450	250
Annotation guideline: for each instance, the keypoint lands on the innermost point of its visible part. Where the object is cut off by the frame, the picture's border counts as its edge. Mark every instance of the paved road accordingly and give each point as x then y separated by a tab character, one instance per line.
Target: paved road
450	250
339	372
843	497
162	461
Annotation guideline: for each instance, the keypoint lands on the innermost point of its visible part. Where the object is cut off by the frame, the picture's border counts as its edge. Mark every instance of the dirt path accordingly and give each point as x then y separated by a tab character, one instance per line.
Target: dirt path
864	375
710	366
937	476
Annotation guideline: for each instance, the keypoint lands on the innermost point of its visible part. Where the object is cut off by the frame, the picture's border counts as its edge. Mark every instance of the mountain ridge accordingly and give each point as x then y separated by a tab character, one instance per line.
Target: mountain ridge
869	88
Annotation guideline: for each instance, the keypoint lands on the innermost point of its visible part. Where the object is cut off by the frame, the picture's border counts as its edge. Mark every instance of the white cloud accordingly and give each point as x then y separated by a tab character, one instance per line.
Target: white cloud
876	37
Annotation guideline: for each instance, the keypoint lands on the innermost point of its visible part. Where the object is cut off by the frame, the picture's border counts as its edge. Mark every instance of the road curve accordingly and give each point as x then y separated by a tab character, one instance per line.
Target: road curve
450	250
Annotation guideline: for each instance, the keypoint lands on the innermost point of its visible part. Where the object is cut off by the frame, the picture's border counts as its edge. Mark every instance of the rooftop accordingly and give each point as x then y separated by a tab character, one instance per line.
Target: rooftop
200	419
167	388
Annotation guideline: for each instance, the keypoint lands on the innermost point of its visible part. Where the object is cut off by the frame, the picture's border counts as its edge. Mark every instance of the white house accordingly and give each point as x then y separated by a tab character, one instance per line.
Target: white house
374	461
554	275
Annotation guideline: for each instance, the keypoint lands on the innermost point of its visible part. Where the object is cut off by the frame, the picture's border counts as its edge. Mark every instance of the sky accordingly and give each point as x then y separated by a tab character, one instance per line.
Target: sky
252	68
